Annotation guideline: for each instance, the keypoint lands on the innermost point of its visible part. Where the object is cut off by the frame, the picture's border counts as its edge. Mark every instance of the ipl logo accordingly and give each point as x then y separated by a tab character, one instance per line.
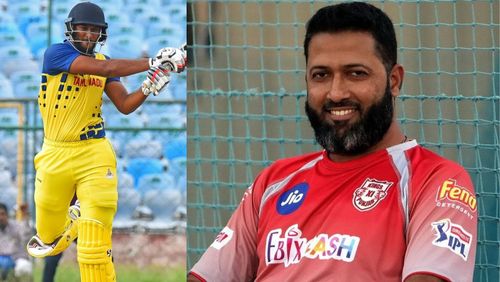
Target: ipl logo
453	237
370	194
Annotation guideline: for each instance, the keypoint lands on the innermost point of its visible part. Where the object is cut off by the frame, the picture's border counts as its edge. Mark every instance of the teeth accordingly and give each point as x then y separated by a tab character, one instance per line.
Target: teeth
341	112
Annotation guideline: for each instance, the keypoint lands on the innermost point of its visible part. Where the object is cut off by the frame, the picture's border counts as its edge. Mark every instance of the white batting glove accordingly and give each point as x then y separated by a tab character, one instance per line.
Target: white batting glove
158	78
173	59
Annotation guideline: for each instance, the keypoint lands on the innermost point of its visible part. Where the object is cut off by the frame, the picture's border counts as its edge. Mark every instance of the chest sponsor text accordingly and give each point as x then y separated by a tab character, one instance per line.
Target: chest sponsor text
289	247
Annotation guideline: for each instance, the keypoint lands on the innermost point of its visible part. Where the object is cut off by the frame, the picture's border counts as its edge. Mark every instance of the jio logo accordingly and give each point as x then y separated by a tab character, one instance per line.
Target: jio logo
292	199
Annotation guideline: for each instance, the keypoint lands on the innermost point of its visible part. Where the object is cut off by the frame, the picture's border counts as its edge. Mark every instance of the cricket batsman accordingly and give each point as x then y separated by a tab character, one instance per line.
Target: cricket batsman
76	157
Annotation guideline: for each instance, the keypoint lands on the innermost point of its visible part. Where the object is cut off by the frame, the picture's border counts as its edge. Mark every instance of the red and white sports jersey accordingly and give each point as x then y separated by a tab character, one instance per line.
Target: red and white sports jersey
382	217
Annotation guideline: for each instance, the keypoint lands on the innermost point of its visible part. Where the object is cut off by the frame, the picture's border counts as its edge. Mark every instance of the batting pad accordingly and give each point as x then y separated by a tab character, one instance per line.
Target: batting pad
39	249
94	252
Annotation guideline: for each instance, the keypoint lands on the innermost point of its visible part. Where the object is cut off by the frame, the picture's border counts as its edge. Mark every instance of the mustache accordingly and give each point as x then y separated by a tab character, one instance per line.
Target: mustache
329	104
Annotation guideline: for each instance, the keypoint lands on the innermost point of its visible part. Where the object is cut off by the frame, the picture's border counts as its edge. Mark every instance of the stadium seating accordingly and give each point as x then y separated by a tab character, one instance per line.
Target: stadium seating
175	148
12	39
178	171
8	148
26	89
155	181
8	117
8	196
25	14
25	76
15	58
14	52
167	120
136	11
176	13
126	29
125	180
138	167
128	201
155	43
6	90
37	33
163	204
150	3
60	10
179	85
143	148
125	47
5	174
156	25
116	16
12	65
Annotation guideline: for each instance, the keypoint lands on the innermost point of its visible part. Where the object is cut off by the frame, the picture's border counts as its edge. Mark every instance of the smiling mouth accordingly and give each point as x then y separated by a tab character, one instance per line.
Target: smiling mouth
340	113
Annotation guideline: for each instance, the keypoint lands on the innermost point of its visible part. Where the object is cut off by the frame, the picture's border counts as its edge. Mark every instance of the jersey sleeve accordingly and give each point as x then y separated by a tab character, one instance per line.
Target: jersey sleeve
442	232
58	58
232	256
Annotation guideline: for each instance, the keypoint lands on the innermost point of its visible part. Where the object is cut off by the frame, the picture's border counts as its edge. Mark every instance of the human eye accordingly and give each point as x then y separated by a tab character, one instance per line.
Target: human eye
319	74
358	73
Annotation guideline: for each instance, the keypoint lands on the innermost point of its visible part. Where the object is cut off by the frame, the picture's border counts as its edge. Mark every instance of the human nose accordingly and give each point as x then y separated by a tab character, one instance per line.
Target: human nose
338	90
87	33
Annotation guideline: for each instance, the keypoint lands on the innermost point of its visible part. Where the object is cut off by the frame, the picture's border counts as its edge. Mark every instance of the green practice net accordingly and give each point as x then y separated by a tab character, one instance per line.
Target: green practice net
246	94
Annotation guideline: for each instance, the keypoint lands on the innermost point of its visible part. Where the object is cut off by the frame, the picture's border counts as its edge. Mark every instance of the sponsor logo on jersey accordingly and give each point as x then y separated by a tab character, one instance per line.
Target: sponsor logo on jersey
451	195
292	199
222	238
290	247
109	174
370	194
452	237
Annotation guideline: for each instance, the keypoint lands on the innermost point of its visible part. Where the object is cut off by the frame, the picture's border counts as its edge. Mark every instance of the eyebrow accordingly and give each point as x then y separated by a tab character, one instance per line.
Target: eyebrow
348	66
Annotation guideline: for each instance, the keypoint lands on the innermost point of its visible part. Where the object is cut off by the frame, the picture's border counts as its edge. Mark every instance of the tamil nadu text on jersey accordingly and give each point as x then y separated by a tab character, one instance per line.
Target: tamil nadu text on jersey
89	81
292	247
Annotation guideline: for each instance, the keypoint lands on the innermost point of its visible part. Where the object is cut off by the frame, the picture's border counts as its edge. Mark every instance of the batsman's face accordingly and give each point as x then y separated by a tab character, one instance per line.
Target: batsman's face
349	97
87	35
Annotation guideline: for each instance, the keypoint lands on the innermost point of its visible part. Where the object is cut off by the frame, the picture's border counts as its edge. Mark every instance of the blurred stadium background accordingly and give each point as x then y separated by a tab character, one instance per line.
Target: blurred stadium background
150	144
246	94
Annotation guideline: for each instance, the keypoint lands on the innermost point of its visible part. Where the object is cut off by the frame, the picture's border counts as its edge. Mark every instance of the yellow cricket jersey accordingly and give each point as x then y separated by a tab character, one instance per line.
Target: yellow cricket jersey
70	104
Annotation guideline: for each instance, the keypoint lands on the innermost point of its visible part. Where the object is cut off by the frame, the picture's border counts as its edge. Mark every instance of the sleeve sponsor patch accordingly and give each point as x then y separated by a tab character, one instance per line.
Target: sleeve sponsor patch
452	237
450	191
452	196
222	238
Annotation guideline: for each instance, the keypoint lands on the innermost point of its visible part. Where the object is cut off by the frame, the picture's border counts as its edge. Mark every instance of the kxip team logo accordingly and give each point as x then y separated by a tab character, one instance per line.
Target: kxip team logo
452	237
370	194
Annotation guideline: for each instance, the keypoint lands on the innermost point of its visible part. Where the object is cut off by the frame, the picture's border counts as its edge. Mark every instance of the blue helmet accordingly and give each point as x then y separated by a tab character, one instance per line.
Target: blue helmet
90	14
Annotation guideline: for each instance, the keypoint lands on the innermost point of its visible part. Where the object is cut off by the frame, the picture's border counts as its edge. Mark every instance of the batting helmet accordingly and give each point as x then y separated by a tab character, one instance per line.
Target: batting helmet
85	13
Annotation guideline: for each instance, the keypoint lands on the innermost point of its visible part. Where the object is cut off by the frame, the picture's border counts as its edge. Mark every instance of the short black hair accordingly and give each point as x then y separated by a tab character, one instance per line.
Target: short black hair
4	207
356	16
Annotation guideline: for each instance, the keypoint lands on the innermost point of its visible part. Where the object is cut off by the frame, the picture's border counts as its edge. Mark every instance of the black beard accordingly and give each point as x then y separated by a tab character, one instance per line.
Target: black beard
350	140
